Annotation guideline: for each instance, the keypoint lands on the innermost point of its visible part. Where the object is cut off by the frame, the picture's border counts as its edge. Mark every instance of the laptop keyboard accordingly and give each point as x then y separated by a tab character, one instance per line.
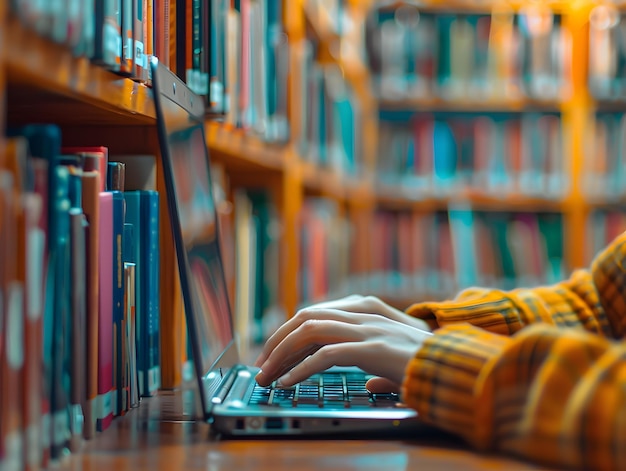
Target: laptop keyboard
325	390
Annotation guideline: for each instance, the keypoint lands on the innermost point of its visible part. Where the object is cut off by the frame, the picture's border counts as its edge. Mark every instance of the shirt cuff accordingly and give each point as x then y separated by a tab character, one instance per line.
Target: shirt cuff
443	382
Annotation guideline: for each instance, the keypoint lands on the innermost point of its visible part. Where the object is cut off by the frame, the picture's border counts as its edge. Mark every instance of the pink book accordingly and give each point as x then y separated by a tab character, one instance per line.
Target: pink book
104	406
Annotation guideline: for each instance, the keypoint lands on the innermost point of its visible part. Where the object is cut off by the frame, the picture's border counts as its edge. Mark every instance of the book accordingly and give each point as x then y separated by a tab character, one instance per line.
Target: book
60	325
108	34
104	402
78	344
151	321
11	323
116	186
128	40
140	59
91	208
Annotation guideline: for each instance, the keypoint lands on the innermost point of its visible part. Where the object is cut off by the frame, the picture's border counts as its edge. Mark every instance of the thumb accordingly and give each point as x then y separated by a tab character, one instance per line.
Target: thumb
379	385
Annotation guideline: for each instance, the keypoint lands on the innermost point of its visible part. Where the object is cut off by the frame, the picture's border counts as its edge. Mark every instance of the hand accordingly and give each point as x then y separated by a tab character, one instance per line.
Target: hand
353	331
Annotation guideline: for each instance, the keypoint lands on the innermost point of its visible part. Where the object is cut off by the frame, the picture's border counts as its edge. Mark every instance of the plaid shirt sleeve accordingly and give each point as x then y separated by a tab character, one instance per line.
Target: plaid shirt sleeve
532	372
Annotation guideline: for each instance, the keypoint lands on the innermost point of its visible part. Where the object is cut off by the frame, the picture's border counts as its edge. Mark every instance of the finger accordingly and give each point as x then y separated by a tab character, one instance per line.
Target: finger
373	305
336	303
342	354
303	341
295	322
380	385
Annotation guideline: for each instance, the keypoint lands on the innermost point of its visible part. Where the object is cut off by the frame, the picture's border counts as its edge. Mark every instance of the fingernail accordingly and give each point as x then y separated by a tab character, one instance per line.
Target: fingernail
283	381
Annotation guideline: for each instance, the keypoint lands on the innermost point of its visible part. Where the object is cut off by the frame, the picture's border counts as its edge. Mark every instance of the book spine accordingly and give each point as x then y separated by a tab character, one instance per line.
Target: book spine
132	373
35	276
150	267
140	59
128	46
118	298
91	207
105	312
61	321
11	322
78	343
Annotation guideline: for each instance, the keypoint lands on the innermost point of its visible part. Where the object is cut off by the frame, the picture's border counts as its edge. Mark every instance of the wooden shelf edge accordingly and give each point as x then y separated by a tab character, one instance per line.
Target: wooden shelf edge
238	147
466	106
327	182
485	6
478	201
51	67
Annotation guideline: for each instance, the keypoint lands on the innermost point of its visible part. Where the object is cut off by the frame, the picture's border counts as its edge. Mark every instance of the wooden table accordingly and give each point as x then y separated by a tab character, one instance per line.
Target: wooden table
163	435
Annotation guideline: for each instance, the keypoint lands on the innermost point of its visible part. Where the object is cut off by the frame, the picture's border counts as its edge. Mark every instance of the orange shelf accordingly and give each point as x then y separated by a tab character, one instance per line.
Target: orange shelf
391	197
486	105
43	74
482	6
327	182
236	148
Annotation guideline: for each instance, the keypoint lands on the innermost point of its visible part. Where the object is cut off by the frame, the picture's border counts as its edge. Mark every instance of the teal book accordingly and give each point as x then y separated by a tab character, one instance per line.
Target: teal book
118	298
150	264
464	246
142	211
445	155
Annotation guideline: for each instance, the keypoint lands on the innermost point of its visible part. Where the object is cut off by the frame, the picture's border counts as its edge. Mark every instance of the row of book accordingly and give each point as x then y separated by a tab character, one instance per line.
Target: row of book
79	334
428	255
499	154
237	58
330	121
116	34
604	165
235	55
467	56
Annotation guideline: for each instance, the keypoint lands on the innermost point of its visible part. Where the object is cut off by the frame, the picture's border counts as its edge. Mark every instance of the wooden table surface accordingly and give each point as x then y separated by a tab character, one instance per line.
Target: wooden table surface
163	435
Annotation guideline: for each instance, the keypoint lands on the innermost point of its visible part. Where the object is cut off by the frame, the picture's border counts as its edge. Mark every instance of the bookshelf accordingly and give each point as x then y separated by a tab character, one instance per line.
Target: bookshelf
45	82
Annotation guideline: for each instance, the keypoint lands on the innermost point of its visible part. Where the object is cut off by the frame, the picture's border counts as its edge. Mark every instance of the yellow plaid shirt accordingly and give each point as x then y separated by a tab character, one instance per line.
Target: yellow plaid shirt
539	373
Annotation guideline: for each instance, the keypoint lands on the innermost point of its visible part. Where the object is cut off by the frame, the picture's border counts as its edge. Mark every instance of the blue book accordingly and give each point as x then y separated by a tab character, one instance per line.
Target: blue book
60	327
151	277
445	155
118	297
464	246
142	211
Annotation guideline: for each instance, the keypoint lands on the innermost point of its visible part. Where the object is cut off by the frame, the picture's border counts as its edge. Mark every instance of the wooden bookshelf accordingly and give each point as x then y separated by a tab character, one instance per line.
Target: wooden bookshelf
46	78
467	6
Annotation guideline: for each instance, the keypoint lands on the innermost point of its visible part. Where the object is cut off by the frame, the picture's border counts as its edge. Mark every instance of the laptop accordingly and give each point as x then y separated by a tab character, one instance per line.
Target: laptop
333	402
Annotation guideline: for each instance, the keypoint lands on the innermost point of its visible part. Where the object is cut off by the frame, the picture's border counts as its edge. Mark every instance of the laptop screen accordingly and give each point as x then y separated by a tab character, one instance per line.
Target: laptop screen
180	117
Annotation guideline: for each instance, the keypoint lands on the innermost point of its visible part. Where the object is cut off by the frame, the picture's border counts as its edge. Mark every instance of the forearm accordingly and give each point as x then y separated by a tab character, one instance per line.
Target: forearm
550	395
571	303
593	299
